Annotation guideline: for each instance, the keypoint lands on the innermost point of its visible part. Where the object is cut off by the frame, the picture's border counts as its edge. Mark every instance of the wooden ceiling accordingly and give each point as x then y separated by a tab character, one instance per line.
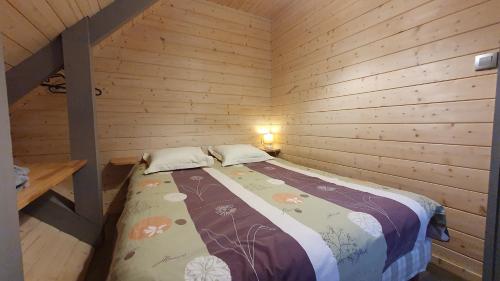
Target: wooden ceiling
263	8
28	25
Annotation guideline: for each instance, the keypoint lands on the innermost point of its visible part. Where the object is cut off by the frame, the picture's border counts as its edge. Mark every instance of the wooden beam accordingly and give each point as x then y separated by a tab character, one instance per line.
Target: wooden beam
54	209
491	268
31	72
11	267
81	115
113	16
27	75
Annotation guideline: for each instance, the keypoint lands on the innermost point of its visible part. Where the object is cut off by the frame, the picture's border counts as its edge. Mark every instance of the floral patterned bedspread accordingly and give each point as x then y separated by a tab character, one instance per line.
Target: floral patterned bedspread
270	220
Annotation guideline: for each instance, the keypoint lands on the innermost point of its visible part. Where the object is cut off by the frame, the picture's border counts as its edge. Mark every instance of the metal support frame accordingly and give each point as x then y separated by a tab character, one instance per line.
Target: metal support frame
491	267
11	266
78	68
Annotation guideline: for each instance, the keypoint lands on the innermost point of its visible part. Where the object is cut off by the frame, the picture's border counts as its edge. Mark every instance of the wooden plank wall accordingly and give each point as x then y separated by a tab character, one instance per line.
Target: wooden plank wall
385	90
184	73
382	90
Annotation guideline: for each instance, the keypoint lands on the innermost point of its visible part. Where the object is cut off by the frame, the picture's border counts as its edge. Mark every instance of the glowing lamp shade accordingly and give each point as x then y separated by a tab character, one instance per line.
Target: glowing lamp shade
268	138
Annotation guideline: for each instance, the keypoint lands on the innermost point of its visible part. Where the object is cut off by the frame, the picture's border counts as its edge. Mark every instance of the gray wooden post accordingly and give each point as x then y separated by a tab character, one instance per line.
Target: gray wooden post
31	72
491	267
77	53
11	264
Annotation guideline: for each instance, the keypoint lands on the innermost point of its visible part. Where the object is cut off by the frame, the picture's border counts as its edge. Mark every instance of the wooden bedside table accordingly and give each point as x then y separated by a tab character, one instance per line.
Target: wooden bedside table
271	151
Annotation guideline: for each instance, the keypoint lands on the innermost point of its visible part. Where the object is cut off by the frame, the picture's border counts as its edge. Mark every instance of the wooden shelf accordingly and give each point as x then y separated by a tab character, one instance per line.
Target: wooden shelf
121	161
44	176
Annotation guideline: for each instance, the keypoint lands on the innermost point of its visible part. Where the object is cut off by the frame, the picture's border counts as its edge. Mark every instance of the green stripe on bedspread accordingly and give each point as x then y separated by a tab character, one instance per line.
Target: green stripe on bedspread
157	237
433	209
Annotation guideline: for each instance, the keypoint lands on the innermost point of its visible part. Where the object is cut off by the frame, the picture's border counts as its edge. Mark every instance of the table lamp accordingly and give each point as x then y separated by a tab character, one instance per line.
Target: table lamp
268	139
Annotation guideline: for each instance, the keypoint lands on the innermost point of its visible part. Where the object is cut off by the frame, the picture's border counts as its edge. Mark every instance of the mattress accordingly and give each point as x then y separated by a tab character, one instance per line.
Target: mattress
271	220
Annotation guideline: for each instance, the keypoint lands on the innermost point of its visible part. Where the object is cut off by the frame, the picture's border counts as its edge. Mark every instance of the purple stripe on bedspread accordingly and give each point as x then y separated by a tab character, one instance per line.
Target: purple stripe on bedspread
251	245
400	224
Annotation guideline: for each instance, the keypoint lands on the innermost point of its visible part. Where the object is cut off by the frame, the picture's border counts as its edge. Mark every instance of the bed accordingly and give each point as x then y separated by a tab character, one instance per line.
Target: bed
271	220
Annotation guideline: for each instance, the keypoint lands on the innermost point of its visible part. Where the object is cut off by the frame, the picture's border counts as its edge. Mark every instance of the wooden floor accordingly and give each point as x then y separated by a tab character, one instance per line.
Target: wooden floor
49	254
435	273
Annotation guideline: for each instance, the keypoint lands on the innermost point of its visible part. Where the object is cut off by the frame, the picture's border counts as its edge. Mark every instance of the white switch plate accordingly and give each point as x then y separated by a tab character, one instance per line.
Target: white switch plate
486	61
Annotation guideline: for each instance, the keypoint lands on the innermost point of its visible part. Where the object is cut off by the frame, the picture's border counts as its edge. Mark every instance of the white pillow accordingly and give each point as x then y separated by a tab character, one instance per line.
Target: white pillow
238	154
170	159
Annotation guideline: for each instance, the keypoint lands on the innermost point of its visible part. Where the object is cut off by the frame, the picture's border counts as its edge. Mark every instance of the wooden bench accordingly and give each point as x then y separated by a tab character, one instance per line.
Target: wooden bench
44	176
